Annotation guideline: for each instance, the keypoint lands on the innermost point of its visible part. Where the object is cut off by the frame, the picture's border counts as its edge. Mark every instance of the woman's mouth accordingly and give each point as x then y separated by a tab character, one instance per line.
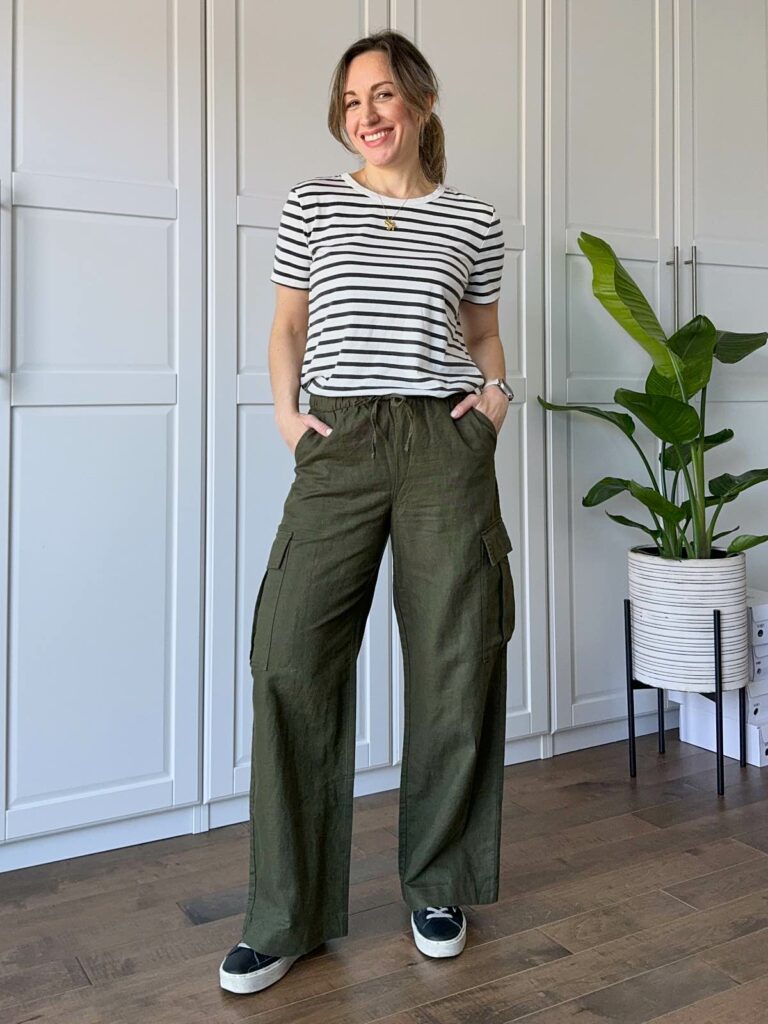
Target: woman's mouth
376	138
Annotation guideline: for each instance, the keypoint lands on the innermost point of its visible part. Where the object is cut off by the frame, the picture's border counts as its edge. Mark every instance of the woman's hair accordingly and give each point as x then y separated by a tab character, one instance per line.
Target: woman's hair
414	79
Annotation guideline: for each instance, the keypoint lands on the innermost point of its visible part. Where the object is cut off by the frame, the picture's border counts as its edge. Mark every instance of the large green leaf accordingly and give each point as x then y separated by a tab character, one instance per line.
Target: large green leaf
604	489
725	533
671	460
619	294
746	540
729	486
732	347
668	418
649	496
656	534
621	420
656	502
694	343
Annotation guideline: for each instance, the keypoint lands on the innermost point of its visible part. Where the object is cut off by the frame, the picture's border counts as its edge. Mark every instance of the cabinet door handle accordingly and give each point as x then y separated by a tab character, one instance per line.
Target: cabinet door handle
675	289
694	283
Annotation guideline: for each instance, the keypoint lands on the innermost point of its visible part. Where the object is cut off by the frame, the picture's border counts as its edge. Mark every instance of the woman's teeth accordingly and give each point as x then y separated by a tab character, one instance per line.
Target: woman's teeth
370	139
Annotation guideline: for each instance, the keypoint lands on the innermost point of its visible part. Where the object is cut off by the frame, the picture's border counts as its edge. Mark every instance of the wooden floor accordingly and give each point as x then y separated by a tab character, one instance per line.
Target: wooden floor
623	901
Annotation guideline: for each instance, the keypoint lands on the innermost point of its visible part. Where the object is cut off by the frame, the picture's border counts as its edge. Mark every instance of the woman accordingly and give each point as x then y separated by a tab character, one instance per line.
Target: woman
387	315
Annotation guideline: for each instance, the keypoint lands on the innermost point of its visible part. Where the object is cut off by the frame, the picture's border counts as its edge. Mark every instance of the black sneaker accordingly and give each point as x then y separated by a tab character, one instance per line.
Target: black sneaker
439	931
243	970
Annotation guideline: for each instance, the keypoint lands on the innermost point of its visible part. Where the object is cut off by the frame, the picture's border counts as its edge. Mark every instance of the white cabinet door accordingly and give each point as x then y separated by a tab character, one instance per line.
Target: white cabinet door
611	165
723	60
100	409
491	108
612	158
267	97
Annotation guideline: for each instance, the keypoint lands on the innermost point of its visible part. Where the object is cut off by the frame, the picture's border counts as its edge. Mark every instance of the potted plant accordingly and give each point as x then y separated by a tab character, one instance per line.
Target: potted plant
677	581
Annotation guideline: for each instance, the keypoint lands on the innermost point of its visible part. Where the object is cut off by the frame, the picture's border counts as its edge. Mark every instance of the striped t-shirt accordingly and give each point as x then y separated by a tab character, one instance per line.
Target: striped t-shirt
384	305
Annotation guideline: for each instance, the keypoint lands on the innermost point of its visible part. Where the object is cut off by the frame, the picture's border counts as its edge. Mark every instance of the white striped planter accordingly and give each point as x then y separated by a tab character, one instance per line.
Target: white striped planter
671	603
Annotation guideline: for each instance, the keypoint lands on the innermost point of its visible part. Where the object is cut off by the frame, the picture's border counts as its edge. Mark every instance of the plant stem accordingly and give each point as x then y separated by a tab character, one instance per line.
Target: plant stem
662	529
696	497
698	527
675	479
715	514
700	521
647	464
700	468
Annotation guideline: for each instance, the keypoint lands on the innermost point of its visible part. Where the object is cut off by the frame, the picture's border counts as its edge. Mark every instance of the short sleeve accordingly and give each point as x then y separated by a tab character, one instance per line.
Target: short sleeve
292	254
484	283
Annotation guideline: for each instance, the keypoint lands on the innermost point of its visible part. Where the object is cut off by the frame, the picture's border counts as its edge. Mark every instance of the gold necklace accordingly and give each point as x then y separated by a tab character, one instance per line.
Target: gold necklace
389	222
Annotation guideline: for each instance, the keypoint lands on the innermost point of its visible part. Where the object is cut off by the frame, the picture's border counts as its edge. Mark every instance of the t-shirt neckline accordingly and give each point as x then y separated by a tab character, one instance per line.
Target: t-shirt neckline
390	200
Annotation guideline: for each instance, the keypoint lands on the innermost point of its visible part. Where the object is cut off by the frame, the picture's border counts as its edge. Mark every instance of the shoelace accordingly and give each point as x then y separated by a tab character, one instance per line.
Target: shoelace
439	912
258	956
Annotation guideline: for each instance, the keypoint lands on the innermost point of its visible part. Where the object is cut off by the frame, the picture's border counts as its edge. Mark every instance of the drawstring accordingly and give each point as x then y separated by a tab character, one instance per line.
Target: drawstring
372	416
396	400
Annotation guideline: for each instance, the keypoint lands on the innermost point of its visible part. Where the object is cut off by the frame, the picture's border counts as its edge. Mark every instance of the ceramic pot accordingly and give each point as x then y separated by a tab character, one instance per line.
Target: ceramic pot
671	604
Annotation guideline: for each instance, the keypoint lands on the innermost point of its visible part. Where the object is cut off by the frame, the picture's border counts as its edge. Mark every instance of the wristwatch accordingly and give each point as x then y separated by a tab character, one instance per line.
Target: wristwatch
500	383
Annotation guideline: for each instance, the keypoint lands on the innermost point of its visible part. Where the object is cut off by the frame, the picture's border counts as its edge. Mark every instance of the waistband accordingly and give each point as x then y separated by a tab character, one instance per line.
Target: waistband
334	402
410	402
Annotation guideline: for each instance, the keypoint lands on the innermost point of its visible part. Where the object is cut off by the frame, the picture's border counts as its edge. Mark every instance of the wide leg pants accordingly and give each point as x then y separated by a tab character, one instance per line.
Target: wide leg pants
394	467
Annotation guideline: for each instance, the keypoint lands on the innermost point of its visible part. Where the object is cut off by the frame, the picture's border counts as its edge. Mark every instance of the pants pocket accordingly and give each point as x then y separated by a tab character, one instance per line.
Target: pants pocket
498	593
300	443
269	596
486	422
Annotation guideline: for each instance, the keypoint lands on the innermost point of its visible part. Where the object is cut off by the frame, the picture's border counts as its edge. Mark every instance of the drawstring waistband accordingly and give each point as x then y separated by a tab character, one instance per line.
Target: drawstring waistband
396	400
320	403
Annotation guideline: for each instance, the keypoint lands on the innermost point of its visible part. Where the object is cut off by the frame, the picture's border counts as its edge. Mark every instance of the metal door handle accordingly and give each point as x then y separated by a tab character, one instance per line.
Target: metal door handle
675	287
694	288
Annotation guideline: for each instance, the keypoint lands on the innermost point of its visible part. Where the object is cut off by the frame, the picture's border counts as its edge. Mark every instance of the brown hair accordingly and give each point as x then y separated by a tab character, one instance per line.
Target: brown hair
414	79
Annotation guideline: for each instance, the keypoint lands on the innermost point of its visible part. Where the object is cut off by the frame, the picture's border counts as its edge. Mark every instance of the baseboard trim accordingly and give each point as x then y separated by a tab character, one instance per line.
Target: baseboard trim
200	818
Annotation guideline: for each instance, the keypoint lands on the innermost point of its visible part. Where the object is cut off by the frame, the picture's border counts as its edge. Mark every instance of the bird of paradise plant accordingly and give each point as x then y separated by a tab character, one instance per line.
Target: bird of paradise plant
681	370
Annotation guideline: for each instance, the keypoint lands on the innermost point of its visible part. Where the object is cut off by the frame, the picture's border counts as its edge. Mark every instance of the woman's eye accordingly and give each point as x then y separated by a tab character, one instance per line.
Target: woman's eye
377	94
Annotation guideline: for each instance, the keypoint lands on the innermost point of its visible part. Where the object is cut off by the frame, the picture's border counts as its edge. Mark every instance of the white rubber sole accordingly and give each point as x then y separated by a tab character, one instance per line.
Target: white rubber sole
439	947
244	984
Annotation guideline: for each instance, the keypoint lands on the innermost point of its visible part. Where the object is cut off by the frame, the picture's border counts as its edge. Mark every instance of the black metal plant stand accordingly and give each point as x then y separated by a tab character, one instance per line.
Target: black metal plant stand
717	697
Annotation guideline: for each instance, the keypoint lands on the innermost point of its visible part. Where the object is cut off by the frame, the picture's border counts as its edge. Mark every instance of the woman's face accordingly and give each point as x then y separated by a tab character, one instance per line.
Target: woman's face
372	104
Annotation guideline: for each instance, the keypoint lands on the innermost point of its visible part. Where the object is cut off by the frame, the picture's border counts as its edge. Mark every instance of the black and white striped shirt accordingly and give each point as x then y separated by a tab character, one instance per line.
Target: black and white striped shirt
384	305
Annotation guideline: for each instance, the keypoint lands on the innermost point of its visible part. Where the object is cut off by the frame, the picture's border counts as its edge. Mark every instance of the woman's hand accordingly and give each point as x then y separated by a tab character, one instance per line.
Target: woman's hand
493	402
294	427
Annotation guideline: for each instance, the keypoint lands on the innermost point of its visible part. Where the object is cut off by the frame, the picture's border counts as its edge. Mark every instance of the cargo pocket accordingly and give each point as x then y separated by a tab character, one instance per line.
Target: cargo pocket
498	592
256	615
269	596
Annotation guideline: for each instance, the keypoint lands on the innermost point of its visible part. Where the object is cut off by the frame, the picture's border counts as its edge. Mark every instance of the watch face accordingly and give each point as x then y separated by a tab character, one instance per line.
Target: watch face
503	386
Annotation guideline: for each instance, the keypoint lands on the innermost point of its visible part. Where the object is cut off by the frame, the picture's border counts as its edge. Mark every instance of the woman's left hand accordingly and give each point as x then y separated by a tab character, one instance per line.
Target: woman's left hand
493	402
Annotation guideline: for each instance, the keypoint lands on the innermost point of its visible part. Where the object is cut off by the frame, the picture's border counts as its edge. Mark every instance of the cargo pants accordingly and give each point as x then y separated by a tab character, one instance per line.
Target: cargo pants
394	467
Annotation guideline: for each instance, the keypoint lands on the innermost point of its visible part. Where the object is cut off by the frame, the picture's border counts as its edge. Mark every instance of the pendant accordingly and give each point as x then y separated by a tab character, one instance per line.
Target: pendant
389	224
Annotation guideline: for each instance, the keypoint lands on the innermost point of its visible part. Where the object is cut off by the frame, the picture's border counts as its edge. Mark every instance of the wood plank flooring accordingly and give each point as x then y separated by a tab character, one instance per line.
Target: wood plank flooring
629	901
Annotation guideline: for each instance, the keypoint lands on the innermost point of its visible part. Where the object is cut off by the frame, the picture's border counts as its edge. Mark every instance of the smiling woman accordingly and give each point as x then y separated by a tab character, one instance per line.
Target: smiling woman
385	268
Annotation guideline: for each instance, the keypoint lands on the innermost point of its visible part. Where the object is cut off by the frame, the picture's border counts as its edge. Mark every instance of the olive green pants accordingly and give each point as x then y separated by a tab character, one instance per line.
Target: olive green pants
394	467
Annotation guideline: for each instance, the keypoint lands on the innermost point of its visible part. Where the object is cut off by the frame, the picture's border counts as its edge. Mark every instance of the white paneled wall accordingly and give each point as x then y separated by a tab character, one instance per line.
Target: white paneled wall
102	419
640	155
146	149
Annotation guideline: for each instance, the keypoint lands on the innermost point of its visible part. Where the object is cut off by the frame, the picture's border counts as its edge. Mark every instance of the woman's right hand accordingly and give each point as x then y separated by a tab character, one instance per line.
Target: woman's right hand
294	428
